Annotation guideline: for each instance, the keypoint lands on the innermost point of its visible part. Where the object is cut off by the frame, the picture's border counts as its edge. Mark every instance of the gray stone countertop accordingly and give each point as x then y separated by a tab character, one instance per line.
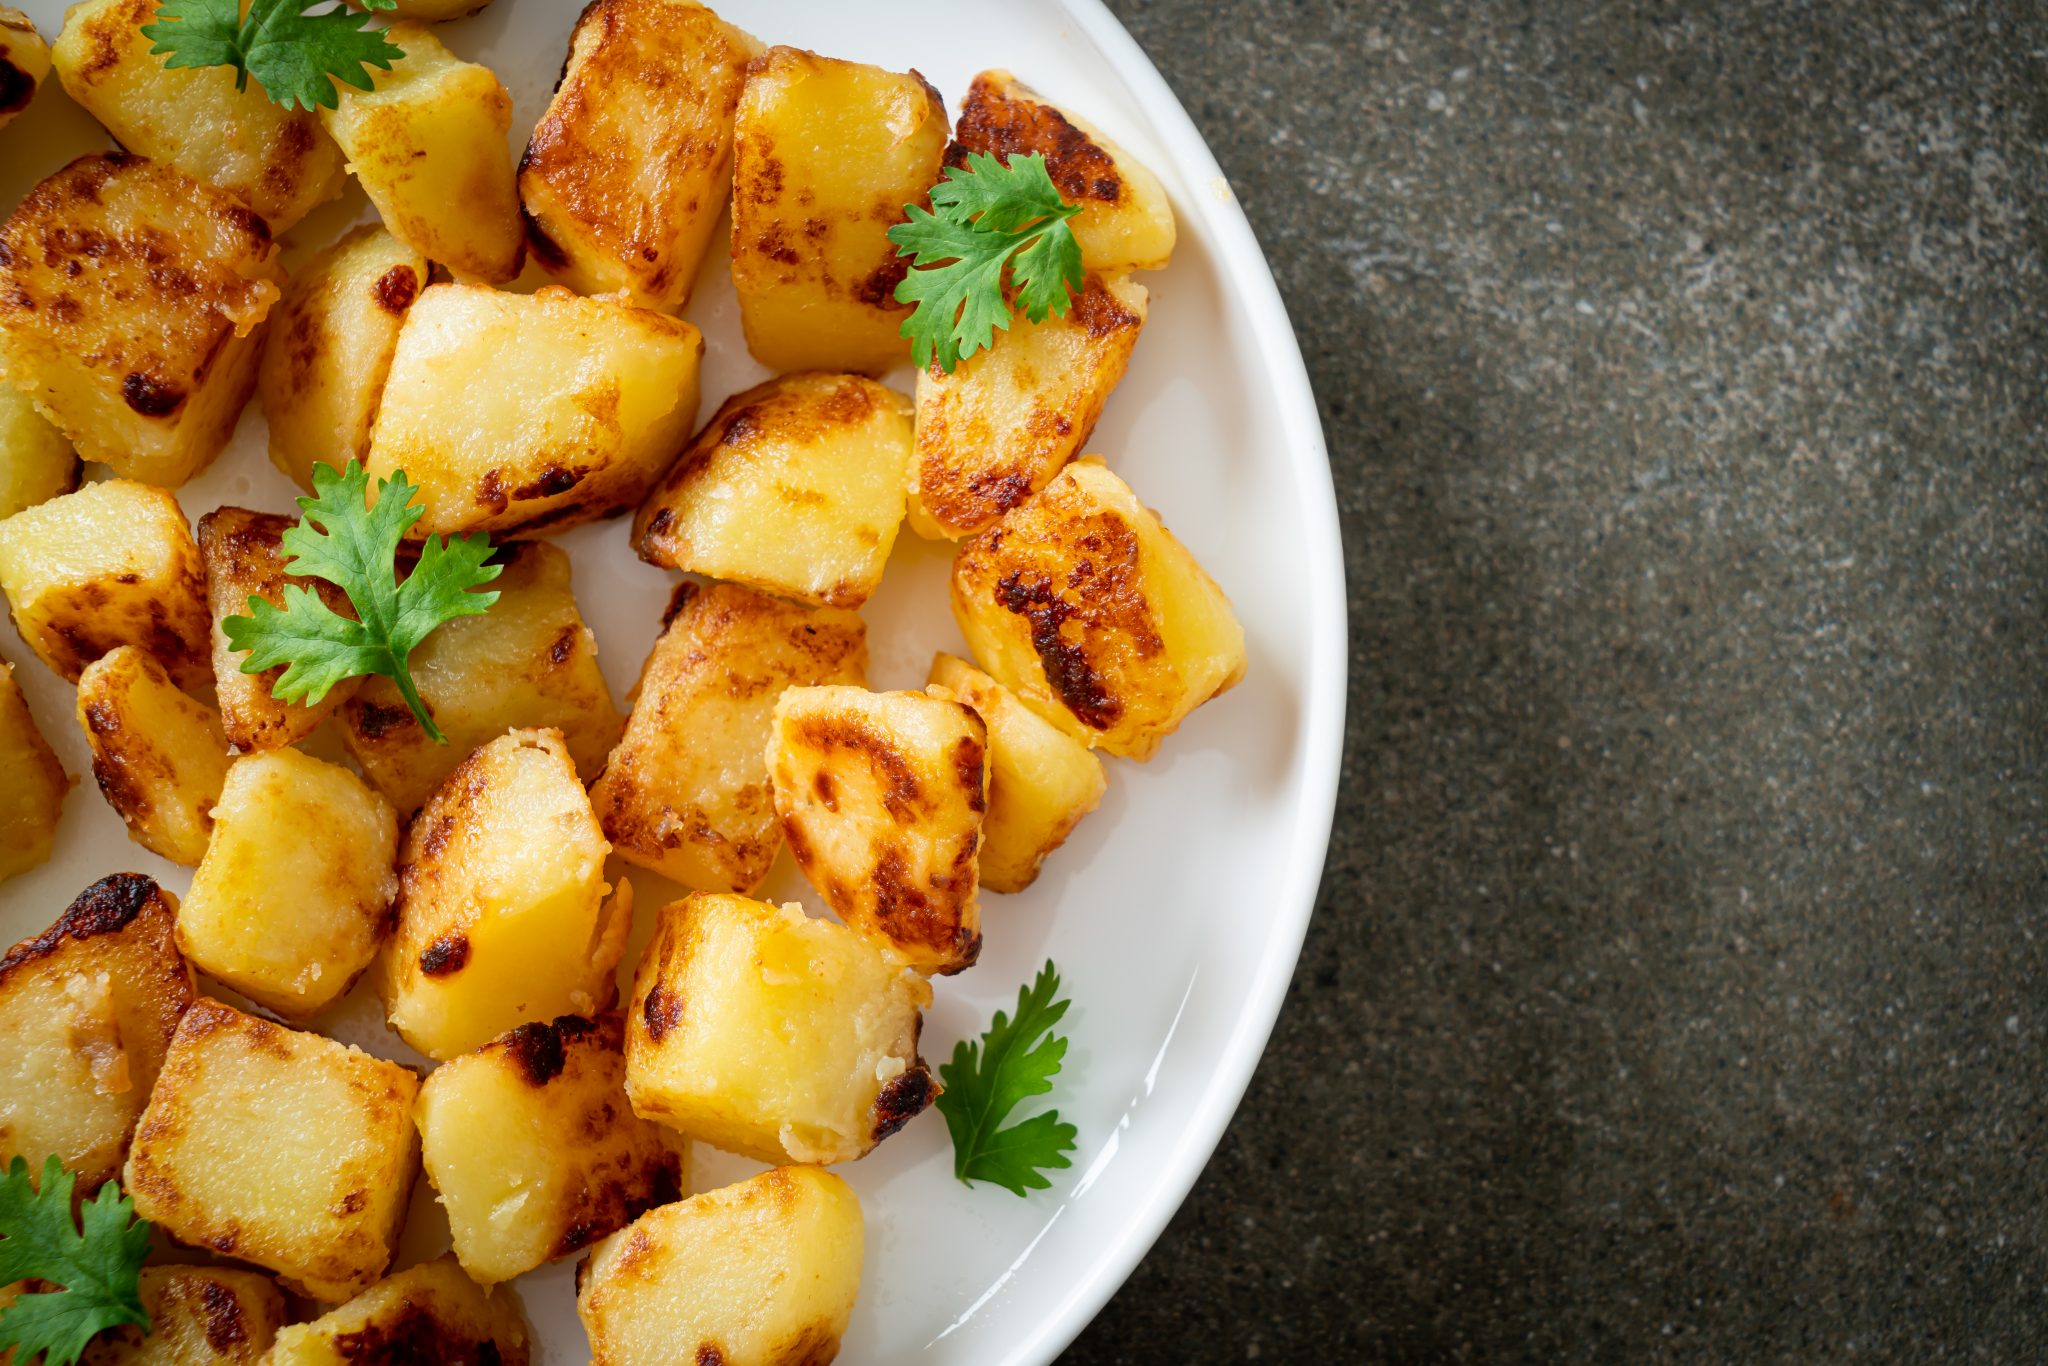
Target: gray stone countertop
1676	989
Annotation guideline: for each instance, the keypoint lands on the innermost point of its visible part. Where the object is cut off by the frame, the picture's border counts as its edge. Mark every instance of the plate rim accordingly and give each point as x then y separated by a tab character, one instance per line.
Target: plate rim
1323	714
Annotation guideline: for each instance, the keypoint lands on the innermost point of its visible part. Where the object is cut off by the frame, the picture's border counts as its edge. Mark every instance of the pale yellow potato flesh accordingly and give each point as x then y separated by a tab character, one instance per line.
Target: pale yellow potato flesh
825	155
276	160
293	897
785	1039
427	1313
796	487
158	754
532	1148
129	304
587	403
24	61
36	462
329	347
1084	605
279	1147
32	798
198	1316
686	791
630	168
111	564
761	1273
88	1008
427	144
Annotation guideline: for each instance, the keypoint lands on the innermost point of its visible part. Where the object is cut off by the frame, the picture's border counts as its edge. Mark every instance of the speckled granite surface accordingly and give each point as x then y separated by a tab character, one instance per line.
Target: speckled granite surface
1677	989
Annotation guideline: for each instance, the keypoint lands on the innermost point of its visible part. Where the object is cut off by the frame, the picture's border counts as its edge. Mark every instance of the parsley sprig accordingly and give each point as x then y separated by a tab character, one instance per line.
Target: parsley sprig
99	1265
354	545
1015	1060
998	232
291	47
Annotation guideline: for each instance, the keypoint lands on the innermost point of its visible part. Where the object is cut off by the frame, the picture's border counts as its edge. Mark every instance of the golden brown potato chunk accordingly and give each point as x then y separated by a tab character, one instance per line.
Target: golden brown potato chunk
881	797
198	1316
796	487
998	428
1125	221
277	1147
529	662
294	894
1041	780
686	792
587	403
159	756
24	61
129	296
112	564
32	797
329	346
1083	604
88	1008
762	1273
428	146
825	155
533	1149
36	462
629	170
244	559
785	1039
275	160
430	1313
502	915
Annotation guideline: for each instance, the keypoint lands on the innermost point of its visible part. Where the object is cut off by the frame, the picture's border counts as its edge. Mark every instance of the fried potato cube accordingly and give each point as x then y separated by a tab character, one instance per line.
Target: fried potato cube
528	662
686	792
88	1008
112	564
795	487
36	462
881	797
293	897
502	918
785	1039
32	798
273	159
158	755
760	1273
588	402
429	1313
533	1149
629	169
1083	604
329	346
244	558
428	146
825	155
278	1147
1041	780
1008	419
1125	221
198	1316
129	299
24	61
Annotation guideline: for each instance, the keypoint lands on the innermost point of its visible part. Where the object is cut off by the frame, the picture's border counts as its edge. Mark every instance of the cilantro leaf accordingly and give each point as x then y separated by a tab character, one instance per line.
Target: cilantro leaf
99	1269
291	47
1015	1060
992	221
353	544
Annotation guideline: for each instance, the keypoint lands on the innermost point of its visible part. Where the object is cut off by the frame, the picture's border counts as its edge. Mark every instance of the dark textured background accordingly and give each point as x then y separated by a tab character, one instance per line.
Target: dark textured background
1676	988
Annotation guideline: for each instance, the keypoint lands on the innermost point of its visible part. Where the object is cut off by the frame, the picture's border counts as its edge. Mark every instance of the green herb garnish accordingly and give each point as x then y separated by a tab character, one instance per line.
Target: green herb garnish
352	544
291	47
999	232
97	1261
1015	1060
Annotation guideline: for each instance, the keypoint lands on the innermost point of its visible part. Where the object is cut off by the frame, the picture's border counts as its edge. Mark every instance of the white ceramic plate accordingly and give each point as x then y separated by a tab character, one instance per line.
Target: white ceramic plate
1175	912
